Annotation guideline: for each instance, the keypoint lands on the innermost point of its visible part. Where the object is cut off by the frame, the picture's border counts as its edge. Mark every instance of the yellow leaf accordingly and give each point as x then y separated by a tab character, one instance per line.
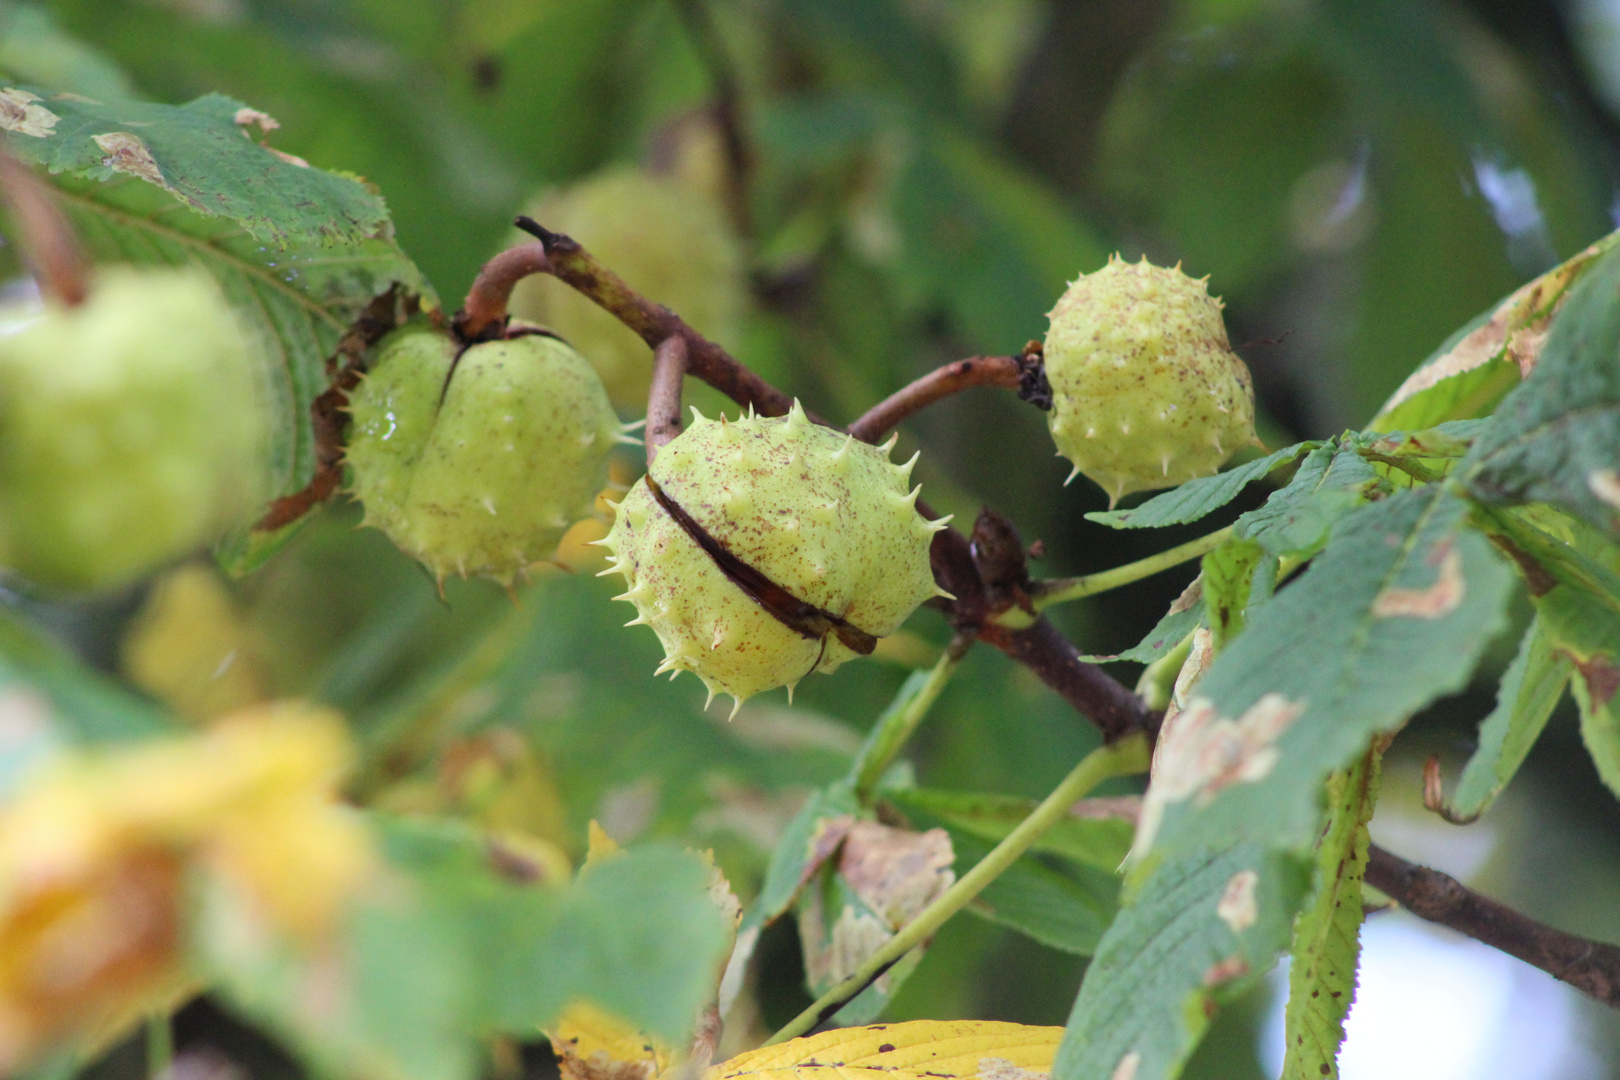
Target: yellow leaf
602	846
591	1044
96	847
955	1049
190	649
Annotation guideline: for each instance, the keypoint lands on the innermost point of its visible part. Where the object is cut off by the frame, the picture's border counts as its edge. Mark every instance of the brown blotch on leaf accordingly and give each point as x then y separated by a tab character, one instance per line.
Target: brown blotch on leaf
1432	601
1602	678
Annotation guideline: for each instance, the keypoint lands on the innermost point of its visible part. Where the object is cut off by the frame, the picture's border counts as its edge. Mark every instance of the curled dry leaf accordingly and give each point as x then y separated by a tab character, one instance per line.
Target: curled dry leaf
887	876
937	1049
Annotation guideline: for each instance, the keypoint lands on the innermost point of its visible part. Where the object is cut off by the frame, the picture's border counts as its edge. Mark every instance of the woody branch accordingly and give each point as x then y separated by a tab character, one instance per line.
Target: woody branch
987	577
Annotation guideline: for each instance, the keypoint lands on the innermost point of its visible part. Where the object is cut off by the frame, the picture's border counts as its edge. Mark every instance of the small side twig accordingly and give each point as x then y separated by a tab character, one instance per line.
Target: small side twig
49	244
1592	967
484	314
664	396
1023	373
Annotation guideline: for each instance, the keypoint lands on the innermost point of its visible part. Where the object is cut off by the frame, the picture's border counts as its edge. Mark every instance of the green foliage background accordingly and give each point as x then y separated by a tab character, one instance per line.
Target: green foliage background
1357	180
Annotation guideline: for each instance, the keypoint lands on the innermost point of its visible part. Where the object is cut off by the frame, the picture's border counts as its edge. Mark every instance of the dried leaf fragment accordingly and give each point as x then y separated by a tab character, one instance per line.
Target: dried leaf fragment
127	153
19	113
897	873
266	123
893	875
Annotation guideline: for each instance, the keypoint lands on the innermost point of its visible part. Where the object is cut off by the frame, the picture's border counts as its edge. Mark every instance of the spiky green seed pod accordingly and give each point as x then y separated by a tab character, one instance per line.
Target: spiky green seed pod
132	430
482	470
1146	391
670	242
824	517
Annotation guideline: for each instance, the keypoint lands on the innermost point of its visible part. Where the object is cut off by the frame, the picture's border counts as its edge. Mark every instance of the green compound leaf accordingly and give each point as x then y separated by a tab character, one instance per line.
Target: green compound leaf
1186	614
1554	437
299	253
1199	497
1482	362
1295	521
203	154
1327	935
453	950
1198	930
1395	612
1531	688
1577	599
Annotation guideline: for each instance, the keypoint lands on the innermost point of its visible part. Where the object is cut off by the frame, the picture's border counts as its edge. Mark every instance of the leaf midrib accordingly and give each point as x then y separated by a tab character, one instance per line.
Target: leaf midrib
243	266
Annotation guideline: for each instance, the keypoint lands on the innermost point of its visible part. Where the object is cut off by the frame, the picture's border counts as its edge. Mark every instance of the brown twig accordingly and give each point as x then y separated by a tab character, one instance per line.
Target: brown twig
1099	697
1592	967
1113	708
940	383
484	314
49	244
664	396
570	262
1024	373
